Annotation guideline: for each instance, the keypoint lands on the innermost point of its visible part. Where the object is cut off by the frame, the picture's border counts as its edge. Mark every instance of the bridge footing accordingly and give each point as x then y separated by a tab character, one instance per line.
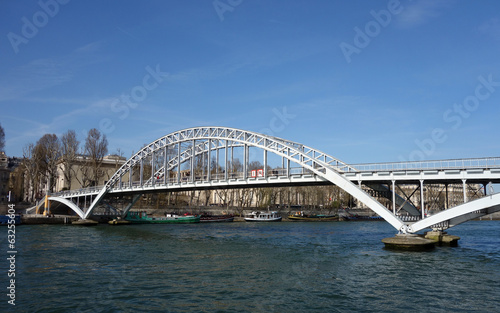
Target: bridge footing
85	222
409	242
442	238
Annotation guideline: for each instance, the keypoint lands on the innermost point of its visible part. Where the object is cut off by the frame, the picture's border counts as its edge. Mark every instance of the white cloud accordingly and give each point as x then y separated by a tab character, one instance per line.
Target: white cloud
491	27
91	47
42	74
37	75
421	12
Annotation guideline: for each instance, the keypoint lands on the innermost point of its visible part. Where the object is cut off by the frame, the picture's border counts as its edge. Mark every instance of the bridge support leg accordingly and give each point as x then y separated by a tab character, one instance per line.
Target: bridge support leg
422	198
46	210
446	204
360	204
464	186
442	238
135	198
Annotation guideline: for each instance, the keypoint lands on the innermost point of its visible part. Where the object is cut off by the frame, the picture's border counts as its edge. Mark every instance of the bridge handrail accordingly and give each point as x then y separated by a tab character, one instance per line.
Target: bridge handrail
458	164
276	172
75	192
463	164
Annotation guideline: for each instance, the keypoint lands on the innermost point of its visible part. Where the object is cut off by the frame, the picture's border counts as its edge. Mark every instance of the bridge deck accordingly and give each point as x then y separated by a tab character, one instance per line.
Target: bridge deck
301	177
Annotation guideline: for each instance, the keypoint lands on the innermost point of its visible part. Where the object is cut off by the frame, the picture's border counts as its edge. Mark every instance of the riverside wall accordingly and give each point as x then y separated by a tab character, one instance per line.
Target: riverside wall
215	210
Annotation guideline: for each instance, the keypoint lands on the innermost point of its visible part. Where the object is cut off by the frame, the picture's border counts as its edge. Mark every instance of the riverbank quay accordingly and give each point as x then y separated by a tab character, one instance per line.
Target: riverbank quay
360	214
33	219
494	216
19	208
38	219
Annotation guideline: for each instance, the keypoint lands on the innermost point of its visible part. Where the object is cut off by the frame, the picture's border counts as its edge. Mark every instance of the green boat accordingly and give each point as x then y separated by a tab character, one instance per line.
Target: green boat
300	216
169	218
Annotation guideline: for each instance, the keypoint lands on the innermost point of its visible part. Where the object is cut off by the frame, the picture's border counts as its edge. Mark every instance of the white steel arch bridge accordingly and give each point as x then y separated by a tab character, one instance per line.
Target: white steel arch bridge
205	158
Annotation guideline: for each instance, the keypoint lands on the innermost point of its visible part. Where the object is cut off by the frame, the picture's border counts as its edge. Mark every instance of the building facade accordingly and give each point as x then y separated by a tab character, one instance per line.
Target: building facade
8	166
78	172
4	177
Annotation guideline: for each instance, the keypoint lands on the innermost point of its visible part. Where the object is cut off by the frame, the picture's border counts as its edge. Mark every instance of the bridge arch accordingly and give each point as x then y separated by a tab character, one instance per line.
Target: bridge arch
69	204
213	138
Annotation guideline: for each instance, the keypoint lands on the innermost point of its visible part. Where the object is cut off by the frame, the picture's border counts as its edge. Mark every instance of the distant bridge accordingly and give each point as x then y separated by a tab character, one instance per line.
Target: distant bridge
208	155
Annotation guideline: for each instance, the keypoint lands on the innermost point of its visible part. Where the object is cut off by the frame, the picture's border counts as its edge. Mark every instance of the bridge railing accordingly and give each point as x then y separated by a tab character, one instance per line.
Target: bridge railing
277	172
462	164
410	218
77	192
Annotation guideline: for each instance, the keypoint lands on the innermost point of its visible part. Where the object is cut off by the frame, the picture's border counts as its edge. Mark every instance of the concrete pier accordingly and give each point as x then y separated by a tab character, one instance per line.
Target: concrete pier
409	242
85	222
442	238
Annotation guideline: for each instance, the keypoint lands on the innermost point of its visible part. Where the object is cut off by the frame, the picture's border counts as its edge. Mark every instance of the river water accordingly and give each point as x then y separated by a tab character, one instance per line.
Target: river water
250	267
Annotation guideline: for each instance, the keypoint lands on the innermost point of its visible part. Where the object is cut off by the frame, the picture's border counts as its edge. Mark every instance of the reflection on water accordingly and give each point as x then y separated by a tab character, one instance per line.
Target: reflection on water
252	267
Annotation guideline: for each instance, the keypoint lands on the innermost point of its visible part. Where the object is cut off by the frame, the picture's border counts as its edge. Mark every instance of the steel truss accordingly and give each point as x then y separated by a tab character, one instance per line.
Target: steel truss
184	144
161	163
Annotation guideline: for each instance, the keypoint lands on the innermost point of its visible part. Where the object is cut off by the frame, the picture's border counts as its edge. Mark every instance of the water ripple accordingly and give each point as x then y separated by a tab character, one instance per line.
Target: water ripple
244	267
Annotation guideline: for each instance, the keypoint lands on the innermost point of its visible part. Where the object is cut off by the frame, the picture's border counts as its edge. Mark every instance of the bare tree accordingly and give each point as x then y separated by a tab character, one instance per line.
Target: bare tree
16	183
255	165
96	147
206	197
69	154
223	195
235	167
264	197
215	168
119	155
2	138
30	166
200	164
48	153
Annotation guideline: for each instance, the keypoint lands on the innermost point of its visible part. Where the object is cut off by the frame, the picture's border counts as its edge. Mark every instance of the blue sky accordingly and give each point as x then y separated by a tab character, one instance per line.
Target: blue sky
364	81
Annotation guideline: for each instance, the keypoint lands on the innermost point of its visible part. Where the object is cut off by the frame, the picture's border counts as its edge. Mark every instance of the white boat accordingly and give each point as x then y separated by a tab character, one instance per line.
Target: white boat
263	217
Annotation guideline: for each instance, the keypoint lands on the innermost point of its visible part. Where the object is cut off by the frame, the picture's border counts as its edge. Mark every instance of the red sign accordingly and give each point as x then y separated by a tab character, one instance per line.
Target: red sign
257	173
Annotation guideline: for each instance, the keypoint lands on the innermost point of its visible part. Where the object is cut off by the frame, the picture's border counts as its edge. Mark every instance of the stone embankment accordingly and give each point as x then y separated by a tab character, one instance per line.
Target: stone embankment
215	210
494	216
31	219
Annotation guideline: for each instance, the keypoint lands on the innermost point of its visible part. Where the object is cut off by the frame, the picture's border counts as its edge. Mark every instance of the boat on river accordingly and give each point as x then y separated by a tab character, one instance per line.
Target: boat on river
169	218
263	217
118	221
11	219
207	218
355	217
301	216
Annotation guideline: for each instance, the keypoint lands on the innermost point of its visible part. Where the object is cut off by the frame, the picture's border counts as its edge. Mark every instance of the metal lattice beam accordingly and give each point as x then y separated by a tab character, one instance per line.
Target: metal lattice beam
309	158
185	146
